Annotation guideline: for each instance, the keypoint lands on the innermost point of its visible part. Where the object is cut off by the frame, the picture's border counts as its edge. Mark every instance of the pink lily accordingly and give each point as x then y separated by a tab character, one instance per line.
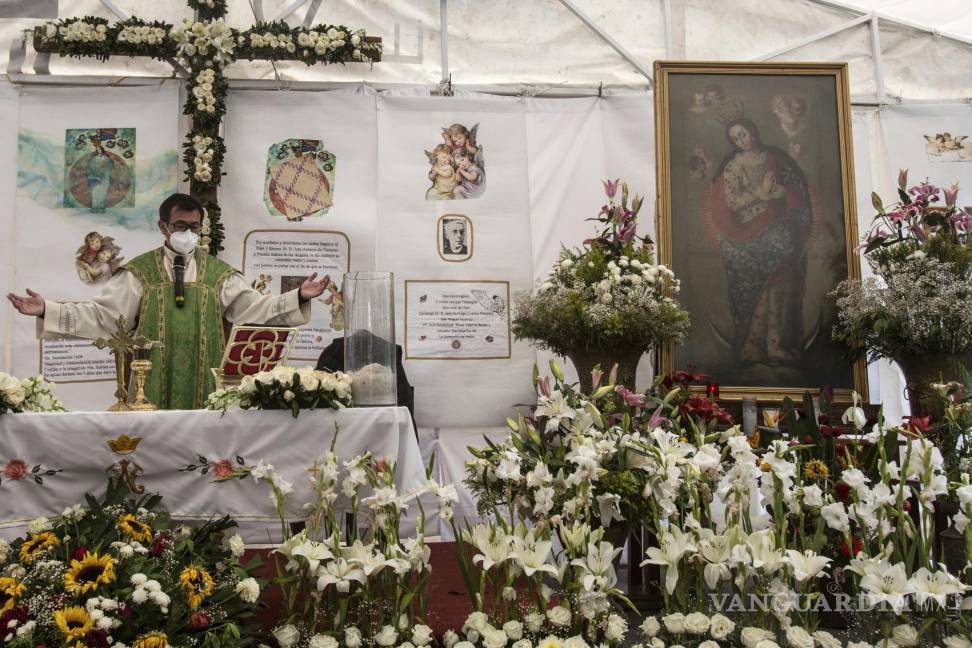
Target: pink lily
925	190
610	187
544	385
962	221
896	216
877	235
596	375
630	398
627	232
902	179
657	419
918	232
951	194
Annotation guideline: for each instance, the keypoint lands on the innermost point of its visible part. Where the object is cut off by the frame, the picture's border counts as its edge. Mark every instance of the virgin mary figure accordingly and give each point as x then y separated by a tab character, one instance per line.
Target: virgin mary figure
760	211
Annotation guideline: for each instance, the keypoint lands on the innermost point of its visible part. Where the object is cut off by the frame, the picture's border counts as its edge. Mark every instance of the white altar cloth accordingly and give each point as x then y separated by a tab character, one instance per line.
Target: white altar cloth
75	443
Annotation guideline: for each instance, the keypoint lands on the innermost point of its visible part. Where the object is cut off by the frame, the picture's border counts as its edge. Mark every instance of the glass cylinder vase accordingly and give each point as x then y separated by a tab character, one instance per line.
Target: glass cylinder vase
369	338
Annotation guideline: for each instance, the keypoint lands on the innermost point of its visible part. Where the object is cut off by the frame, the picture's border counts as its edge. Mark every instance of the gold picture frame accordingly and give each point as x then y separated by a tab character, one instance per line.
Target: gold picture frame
757	233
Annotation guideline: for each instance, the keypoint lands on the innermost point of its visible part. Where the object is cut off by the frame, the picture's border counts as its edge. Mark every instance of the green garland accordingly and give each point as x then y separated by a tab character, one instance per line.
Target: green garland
322	43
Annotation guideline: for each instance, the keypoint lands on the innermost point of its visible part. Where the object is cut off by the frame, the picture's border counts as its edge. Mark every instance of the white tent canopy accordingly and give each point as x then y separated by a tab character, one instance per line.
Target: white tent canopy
898	50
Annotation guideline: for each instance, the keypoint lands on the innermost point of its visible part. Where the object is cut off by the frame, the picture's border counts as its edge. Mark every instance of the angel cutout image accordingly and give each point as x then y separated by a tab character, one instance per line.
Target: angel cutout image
494	304
442	174
98	259
945	145
336	301
458	166
262	284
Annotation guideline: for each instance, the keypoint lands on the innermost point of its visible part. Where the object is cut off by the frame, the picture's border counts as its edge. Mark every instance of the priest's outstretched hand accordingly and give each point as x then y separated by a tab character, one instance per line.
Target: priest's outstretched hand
308	290
33	304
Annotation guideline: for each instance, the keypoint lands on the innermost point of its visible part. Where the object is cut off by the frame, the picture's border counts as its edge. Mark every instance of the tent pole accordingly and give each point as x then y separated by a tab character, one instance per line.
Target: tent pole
878	61
837	4
667	11
607	38
288	10
860	20
444	40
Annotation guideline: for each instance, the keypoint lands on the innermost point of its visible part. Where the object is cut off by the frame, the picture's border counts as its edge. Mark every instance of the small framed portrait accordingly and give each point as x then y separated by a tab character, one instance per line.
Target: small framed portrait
454	236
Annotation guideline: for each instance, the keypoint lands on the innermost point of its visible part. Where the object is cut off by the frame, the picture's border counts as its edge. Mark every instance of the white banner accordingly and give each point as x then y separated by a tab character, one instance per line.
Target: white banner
457	320
92	167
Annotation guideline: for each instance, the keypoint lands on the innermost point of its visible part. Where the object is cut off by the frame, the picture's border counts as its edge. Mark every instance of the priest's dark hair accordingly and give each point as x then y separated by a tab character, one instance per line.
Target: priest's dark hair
180	201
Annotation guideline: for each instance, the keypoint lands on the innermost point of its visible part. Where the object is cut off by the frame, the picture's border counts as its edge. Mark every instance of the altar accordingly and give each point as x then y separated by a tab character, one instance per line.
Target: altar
49	460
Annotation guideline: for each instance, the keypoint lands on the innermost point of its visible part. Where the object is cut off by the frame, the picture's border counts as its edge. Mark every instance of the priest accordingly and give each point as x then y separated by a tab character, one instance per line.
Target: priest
181	296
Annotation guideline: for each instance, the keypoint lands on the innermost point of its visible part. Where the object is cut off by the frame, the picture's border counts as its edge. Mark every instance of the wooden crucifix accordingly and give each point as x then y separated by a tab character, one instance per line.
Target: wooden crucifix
205	46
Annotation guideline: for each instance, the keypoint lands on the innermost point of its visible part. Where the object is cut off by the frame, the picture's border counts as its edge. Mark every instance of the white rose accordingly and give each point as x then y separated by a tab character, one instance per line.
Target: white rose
513	630
422	635
323	641
708	644
533	621
523	643
449	638
352	637
721	626
674	623
767	643
905	635
575	642
286	635
387	636
650	627
493	638
697	623
826	640
248	589
797	637
559	616
955	641
477	621
750	637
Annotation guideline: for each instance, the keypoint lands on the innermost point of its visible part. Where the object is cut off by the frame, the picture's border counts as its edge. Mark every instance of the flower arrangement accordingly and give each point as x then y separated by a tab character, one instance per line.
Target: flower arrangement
204	43
286	388
203	157
28	395
921	249
350	586
610	294
116	572
318	44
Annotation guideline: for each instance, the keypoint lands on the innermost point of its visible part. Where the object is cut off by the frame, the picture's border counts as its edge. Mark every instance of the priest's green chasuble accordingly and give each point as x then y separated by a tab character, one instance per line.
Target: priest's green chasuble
192	336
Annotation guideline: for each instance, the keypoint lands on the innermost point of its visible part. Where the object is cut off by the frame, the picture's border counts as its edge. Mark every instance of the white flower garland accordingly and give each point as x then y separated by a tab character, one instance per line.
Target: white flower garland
273	41
139	34
202	170
82	32
213	38
203	92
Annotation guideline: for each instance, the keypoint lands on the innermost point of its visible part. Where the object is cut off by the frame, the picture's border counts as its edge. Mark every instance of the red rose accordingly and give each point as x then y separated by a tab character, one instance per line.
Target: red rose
843	492
198	622
160	544
223	468
15	470
79	553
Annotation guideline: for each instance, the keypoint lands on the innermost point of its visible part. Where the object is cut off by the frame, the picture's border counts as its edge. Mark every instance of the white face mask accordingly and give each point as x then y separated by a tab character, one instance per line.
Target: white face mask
184	242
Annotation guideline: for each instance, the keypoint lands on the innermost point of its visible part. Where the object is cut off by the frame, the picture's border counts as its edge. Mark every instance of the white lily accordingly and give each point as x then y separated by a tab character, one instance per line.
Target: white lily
888	585
341	574
935	586
598	567
313	553
806	565
531	555
673	545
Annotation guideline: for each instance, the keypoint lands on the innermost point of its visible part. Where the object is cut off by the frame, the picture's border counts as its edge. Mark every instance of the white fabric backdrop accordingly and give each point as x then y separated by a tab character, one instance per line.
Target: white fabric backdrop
47	235
9	109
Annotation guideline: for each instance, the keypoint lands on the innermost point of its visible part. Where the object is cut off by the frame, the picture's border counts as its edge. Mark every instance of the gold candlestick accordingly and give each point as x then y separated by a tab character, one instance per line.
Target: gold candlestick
141	404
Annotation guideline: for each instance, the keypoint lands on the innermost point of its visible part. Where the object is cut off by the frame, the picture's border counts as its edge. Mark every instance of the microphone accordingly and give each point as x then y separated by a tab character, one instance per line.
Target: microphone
179	270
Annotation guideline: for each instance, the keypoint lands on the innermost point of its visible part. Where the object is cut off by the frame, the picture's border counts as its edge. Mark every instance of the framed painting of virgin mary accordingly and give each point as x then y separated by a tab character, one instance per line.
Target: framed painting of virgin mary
756	216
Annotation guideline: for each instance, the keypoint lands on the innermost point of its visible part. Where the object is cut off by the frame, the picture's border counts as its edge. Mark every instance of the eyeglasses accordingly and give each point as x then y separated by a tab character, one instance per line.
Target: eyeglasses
182	226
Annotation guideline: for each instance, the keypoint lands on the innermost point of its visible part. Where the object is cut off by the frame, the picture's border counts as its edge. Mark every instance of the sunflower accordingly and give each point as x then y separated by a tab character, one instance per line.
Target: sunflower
36	544
87	574
816	469
10	589
73	622
134	528
197	583
153	640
